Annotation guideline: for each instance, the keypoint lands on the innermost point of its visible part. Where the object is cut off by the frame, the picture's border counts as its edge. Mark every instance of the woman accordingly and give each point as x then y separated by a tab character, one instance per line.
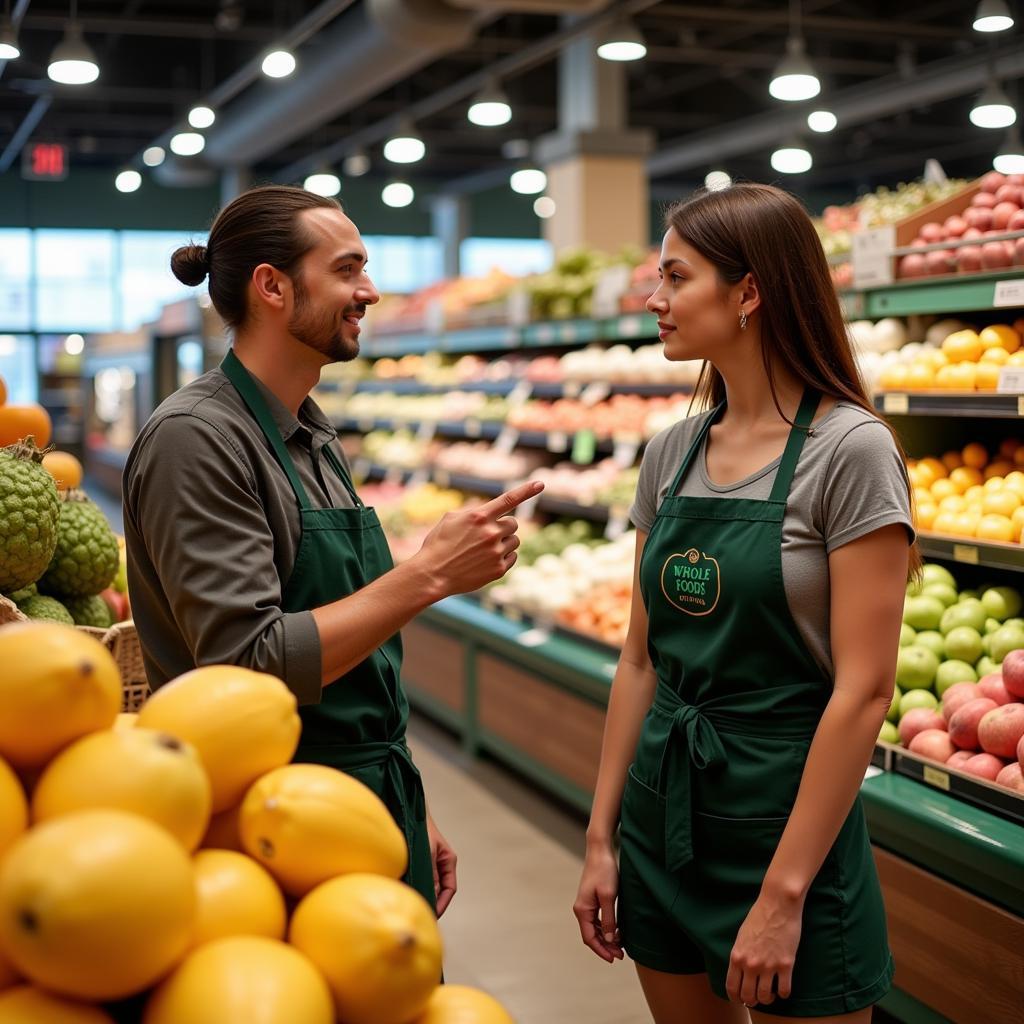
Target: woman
773	548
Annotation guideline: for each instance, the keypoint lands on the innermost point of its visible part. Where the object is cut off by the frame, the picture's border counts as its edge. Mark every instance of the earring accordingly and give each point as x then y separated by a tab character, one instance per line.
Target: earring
743	319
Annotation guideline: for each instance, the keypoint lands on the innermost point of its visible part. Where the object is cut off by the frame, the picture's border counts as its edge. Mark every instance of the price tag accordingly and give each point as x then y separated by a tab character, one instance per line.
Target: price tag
571	389
506	440
618	523
1011	380
534	637
427	431
872	256
520	393
584	445
1008	293
896	403
442	478
625	451
517	307
557	442
609	288
596	392
935	777
966	553
473	428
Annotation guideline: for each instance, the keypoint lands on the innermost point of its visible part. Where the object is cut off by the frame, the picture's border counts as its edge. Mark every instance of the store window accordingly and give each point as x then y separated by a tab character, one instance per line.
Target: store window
75	280
18	368
15	279
515	256
403	263
147	284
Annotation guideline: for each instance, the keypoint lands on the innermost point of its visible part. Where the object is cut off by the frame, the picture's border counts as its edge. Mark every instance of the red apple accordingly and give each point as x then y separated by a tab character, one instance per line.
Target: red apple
912	265
1013	675
959	759
116	603
1011	778
939	261
978	217
1015	179
993	687
1020	752
934	744
992	182
986	766
917	720
973	233
968	259
957	696
1018	252
984	201
1001	730
963	723
1016	222
994	256
955	226
1008	193
1001	214
933	233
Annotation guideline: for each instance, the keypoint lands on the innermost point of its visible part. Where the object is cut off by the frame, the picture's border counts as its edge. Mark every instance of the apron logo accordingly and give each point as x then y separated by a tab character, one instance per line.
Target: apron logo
691	582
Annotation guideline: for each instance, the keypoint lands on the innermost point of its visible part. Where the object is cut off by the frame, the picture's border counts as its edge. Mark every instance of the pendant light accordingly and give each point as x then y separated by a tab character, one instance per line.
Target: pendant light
278	64
323	182
821	121
544	207
490	108
993	108
187	143
72	61
398	194
128	180
792	158
9	49
622	42
529	181
717	181
356	164
405	146
1010	158
794	78
153	156
992	16
201	117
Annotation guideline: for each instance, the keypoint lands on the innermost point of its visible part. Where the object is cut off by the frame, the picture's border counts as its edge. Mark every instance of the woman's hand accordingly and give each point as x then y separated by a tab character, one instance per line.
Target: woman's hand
595	902
444	860
765	949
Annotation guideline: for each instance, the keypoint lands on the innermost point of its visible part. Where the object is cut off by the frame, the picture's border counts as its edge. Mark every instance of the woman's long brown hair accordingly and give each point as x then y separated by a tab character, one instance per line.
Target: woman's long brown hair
766	232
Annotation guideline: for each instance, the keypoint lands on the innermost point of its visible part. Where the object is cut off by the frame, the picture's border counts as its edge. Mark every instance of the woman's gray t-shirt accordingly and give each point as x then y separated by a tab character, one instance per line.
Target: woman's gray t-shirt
850	480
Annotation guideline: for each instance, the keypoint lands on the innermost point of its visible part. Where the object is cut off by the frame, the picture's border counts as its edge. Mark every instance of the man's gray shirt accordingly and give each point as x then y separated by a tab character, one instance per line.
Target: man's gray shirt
212	530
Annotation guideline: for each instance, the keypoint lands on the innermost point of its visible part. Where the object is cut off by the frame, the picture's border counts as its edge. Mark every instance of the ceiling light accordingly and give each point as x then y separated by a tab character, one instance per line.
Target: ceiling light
201	117
1010	158
278	64
128	181
716	181
9	49
792	158
821	121
404	147
544	207
794	78
153	156
993	108
529	181
490	108
74	344
356	165
323	182
398	194
187	143
622	42
72	61
992	16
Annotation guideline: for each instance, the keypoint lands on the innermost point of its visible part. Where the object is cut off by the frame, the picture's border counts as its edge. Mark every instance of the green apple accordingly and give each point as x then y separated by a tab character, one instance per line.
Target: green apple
991	625
964	644
951	672
914	588
916	668
889	733
969	595
985	666
967	613
932	572
923	612
893	714
986	644
918	699
1015	622
1001	603
907	635
943	591
1004	640
933	640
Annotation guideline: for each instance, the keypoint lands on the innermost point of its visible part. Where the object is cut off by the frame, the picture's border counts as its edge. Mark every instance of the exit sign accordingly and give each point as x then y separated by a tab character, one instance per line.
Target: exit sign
44	161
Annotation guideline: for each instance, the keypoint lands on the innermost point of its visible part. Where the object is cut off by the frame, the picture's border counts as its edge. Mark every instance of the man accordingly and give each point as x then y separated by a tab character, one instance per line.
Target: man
247	543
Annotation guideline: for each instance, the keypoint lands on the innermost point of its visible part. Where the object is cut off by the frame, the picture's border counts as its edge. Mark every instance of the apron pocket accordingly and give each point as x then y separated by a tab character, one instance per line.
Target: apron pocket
642	818
735	853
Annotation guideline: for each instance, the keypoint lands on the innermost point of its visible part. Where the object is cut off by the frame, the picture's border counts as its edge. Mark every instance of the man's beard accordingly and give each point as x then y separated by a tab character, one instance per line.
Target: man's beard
321	330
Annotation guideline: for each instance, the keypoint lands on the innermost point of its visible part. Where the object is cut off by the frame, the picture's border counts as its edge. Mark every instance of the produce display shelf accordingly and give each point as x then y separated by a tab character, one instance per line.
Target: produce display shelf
967	551
501	388
399	345
470	428
964	293
950	403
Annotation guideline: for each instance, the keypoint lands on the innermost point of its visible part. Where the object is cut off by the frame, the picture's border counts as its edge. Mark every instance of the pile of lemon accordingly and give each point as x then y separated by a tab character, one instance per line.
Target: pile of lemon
967	361
971	493
173	867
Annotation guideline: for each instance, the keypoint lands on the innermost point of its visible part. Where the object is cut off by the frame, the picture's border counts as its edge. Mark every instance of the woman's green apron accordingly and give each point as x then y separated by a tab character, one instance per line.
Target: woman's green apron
722	751
359	725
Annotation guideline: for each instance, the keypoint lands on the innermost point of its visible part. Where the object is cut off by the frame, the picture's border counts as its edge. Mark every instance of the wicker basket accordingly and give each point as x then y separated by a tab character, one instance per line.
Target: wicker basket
121	640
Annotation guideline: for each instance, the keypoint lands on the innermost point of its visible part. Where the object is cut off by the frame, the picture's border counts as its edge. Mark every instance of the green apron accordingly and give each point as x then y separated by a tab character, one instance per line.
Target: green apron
722	752
359	724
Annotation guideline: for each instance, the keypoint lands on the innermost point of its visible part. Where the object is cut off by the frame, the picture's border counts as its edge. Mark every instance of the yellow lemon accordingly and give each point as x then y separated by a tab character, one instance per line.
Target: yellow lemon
1002	502
964	478
965	523
995	527
920	377
995	355
952	460
893	377
1017	519
926	515
235	896
986	376
945	377
458	1004
1000	336
999	468
29	1005
13	807
945	522
1016	358
1015	481
923	496
975	455
975	494
936	467
943	489
963	346
953	503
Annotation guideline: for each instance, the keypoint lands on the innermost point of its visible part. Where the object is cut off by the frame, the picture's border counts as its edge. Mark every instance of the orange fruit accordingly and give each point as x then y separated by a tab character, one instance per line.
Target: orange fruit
1009	447
953	503
923	496
1016	358
1017	519
936	467
1015	481
920	377
893	377
963	347
975	493
925	516
952	460
65	469
945	522
995	355
1002	502
999	468
965	477
935	358
975	455
965	523
986	376
1018	458
944	378
943	489
994	527
963	376
1000	336
18	421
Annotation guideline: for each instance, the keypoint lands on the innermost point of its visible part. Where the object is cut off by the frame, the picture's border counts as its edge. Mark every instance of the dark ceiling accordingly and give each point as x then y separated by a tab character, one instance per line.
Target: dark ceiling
708	65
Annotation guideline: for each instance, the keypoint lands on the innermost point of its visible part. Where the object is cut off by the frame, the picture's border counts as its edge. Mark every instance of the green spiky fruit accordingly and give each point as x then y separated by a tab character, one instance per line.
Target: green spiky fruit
17	596
90	611
86	557
29	515
46	608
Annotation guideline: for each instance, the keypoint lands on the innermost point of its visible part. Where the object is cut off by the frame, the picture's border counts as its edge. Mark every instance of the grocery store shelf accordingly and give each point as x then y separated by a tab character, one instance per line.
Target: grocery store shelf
501	388
950	403
468	428
990	555
963	293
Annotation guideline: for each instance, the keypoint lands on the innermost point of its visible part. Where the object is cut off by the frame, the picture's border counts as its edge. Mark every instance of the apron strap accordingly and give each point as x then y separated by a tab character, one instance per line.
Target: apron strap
695	447
794	446
339	468
257	405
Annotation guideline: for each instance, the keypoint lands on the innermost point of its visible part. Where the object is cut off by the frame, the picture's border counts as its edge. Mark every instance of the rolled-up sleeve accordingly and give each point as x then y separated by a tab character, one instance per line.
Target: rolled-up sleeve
197	511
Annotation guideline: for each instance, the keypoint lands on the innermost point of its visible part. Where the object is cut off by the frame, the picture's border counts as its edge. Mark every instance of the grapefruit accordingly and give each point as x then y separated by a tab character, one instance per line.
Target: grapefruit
235	896
137	770
377	943
243	724
96	905
459	1004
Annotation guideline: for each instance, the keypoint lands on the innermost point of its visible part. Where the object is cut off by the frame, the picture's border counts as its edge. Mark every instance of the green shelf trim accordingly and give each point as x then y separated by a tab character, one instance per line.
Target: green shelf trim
969	406
971	848
400	345
478	339
967	294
